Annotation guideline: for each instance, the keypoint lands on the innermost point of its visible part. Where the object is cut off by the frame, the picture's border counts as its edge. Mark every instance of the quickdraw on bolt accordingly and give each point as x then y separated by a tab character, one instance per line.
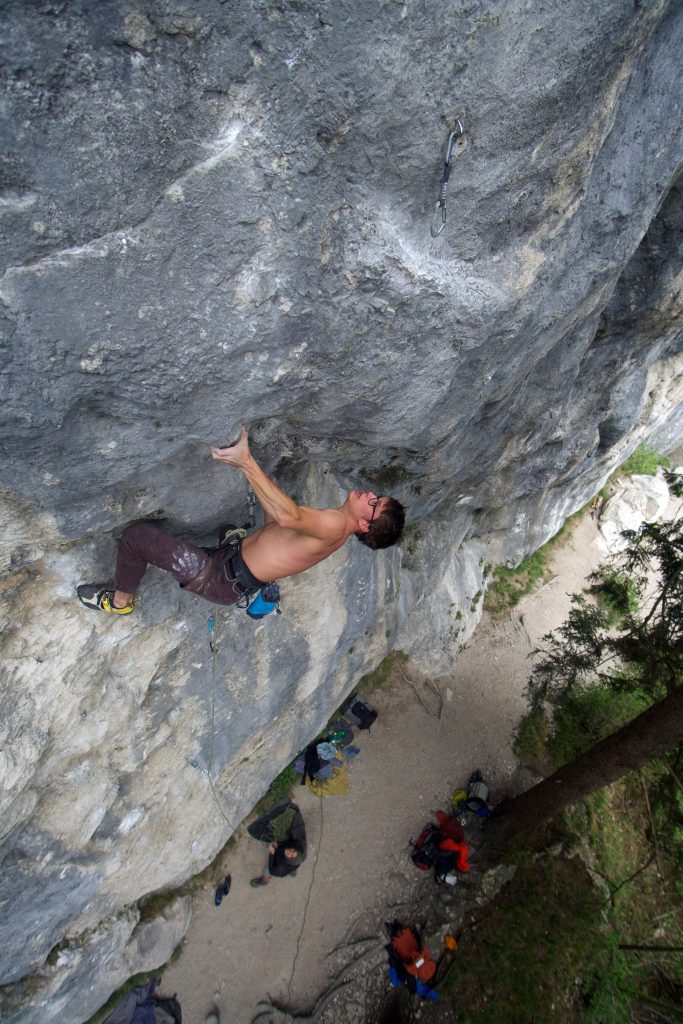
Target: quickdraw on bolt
439	217
252	511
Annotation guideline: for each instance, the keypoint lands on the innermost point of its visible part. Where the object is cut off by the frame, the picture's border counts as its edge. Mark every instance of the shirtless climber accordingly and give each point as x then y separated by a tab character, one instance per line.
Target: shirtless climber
292	539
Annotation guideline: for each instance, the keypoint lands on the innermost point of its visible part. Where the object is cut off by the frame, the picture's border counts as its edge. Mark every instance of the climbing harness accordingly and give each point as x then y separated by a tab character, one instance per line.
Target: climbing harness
454	143
257	601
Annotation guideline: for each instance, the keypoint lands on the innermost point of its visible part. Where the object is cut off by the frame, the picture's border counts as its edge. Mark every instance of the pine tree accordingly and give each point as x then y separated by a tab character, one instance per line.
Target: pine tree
628	639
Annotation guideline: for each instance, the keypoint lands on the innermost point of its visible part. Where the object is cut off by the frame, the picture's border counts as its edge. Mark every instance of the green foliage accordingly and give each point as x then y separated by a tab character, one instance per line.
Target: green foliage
617	595
609	987
279	789
581	717
644	460
617	825
571	654
675	482
531	738
585	715
381	674
645	651
509	585
156	904
544	920
601	669
620	828
666	797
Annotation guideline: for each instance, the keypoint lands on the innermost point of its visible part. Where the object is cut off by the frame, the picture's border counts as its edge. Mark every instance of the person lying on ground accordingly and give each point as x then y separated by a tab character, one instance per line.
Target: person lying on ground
282	827
292	539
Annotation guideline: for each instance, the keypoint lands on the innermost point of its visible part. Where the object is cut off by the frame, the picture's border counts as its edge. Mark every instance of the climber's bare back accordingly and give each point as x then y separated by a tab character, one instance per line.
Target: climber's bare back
275	551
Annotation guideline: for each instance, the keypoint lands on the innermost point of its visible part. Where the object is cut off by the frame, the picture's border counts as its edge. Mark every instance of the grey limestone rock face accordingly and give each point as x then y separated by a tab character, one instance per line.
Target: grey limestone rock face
220	213
105	958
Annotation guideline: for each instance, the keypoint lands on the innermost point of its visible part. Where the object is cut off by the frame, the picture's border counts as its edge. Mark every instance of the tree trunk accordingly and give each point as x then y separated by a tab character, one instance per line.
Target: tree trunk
653	949
651	734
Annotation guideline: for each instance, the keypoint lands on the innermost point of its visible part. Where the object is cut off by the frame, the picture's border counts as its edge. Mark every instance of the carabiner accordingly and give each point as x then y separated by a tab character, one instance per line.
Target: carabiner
439	215
453	140
438	225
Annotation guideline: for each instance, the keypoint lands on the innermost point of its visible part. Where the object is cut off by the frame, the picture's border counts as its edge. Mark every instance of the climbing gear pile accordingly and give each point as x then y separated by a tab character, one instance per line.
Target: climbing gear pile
455	140
472	804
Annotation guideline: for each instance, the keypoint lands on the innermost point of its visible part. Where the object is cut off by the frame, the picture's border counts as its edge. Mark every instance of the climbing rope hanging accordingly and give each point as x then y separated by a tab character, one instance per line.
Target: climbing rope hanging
213	647
252	509
455	143
212	623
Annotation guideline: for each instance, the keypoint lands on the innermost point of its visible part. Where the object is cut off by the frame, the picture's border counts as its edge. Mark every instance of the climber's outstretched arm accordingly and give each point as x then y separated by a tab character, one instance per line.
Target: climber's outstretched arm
278	507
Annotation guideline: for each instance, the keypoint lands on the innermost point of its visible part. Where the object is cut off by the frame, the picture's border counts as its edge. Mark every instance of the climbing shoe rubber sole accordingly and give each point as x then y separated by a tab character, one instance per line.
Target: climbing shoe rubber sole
97	597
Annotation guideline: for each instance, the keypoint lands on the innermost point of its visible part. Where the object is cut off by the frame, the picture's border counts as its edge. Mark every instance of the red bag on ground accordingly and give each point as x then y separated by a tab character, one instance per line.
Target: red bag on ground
414	955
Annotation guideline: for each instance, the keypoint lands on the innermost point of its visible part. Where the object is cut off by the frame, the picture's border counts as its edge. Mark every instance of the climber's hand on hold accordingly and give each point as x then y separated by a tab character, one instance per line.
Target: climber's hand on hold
237	454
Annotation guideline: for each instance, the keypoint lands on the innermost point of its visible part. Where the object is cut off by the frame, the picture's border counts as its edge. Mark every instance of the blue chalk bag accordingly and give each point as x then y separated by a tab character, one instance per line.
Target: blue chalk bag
266	601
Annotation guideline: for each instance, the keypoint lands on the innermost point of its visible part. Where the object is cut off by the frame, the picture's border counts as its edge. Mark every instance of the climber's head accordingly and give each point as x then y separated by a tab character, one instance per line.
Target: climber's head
380	519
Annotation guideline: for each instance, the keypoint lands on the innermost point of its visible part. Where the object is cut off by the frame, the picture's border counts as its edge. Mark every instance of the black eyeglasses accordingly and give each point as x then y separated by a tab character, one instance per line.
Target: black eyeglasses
373	503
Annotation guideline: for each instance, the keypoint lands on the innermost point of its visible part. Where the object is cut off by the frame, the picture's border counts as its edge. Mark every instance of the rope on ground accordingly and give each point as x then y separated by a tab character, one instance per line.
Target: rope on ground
308	900
272	1012
523	625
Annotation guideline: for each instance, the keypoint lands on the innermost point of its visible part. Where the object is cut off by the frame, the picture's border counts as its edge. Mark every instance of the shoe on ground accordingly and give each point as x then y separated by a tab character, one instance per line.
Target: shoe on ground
256	882
97	597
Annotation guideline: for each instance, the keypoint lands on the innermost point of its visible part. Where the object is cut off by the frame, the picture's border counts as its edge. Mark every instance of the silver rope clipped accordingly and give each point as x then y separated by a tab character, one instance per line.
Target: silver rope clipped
252	508
439	217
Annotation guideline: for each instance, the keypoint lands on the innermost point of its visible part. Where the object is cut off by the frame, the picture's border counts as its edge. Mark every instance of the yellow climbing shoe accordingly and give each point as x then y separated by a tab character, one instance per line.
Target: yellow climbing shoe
94	596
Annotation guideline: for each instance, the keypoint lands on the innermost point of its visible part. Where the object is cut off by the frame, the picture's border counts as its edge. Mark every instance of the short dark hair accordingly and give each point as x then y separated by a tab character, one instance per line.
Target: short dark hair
386	528
291	844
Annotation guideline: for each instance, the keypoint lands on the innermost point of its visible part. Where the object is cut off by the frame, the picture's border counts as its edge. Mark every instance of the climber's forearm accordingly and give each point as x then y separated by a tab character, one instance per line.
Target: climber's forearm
277	506
328	525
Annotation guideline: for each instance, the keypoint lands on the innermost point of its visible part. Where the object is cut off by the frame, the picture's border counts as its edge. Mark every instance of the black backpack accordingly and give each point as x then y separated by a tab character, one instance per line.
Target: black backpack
361	713
167	1010
142	1006
425	847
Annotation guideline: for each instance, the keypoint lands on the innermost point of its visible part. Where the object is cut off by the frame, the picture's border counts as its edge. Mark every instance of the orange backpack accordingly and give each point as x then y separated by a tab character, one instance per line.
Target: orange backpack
414	956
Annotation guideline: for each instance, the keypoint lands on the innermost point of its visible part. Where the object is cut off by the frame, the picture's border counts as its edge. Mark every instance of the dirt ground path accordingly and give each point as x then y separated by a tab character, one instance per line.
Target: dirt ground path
287	940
